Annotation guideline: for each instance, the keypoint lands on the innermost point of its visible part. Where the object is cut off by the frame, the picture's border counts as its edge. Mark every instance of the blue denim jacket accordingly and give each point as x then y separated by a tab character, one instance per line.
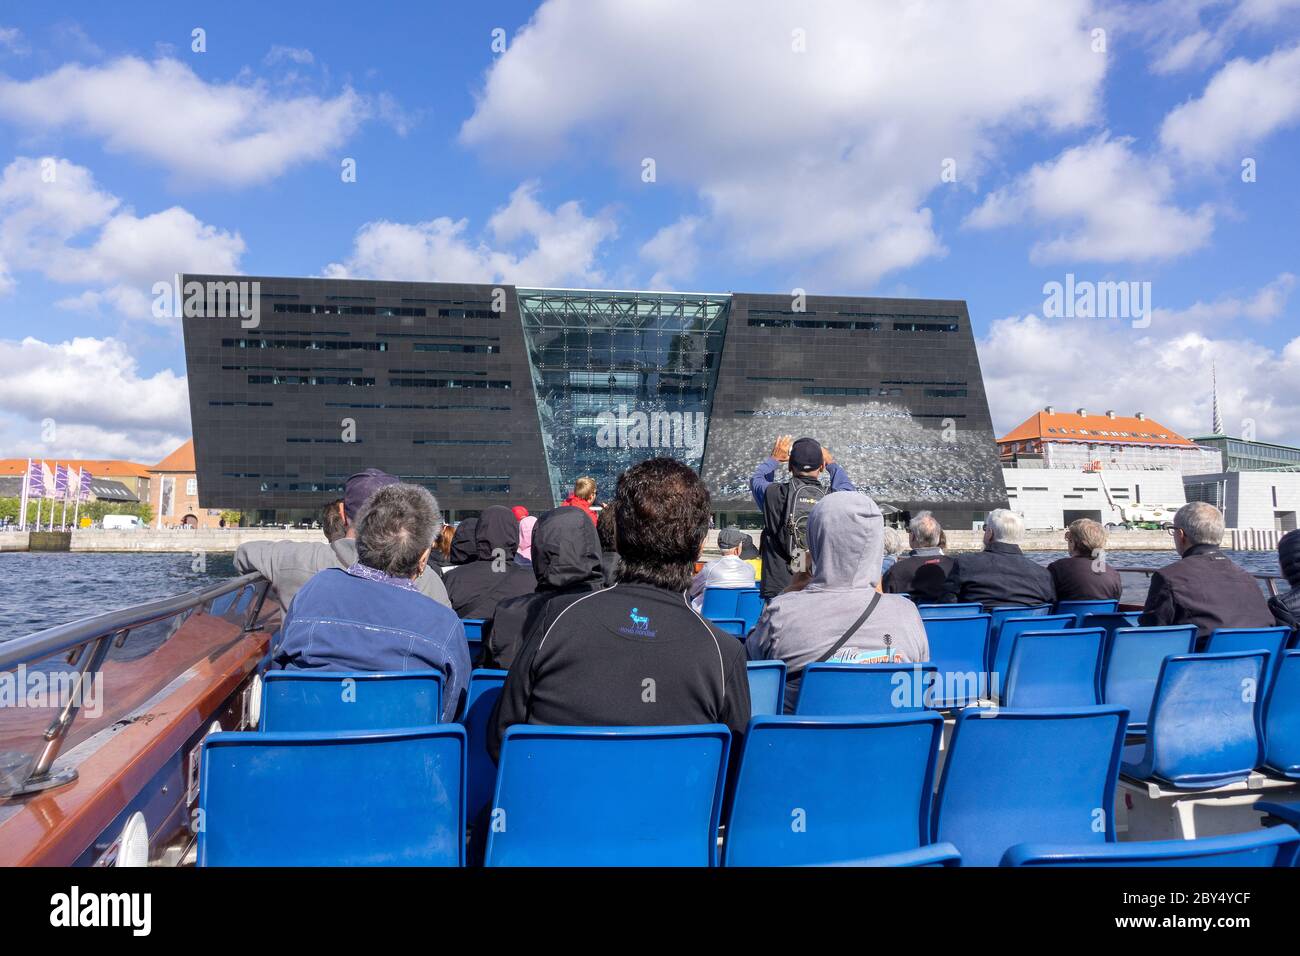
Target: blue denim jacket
343	622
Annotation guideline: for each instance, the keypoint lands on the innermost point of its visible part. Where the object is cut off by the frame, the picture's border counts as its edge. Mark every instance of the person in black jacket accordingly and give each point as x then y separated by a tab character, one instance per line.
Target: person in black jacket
1286	607
477	588
1000	575
608	545
1204	587
922	575
1084	576
464	549
636	653
566	561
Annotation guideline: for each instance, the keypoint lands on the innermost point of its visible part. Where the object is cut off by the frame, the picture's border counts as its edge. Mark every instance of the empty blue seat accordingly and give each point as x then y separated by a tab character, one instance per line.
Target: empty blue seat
1081	608
608	796
1132	663
311	701
1055	668
931	611
749	606
1282	718
1000	644
1204	729
845	690
820	790
734	626
1015	776
720	602
958	650
481	772
1111	622
999	615
1286	812
389	798
474	628
934	854
1271	639
766	687
1275	846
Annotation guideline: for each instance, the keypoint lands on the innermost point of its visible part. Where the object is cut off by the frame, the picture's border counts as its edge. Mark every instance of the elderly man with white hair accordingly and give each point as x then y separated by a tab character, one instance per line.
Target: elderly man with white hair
1204	587
923	574
1000	575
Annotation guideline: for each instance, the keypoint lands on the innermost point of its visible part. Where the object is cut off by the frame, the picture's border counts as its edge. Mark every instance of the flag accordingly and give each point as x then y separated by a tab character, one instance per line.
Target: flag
84	479
47	480
35	480
60	481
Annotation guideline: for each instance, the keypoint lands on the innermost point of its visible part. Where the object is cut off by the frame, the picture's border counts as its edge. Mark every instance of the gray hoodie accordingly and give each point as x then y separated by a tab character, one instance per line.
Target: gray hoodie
288	565
846	539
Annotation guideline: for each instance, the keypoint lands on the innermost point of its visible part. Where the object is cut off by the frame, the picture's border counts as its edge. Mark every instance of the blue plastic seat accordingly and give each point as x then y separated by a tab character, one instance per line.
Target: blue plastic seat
1275	846
474	628
1081	608
1000	644
931	611
1286	812
720	602
958	650
1271	639
766	687
1111	622
1000	615
820	790
313	701
481	772
846	690
749	606
1132	664
1015	776
1282	718
1055	669
608	796
735	626
389	798
1204	729
934	854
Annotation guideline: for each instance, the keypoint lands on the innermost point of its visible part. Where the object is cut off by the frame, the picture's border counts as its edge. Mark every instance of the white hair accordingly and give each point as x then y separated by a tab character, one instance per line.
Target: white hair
924	530
1201	522
1006	526
895	543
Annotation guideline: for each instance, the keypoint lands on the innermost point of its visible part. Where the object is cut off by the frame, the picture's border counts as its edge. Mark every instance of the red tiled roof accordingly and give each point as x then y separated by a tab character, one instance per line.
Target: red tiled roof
100	468
181	460
1097	429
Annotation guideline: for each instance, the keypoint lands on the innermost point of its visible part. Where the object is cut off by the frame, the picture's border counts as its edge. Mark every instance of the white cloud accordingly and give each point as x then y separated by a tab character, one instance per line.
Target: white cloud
1221	314
1197	34
1109	204
553	246
101	406
1029	362
820	159
674	251
11	41
1242	104
227	133
71	231
297	55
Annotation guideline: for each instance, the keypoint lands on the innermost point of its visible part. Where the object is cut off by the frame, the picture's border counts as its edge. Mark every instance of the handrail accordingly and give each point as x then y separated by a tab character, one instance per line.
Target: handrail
66	637
1271	580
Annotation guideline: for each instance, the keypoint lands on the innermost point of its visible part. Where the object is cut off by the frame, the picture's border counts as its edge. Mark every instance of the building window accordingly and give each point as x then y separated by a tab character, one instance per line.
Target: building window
191	486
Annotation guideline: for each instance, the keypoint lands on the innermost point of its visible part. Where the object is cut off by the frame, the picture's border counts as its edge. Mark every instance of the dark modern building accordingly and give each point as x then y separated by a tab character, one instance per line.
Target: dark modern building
504	395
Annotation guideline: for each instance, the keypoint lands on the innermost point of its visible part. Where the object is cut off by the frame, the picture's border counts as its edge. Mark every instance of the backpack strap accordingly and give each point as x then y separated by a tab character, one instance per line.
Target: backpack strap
851	631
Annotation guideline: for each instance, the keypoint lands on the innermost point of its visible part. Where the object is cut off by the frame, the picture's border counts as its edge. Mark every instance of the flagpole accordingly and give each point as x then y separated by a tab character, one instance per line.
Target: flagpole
27	480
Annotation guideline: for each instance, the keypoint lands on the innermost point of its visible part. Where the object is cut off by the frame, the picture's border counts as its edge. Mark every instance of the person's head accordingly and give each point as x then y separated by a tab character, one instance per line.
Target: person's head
606	524
464	546
357	491
497	533
442	546
1288	557
526	525
1085	538
662	515
395	530
520	512
846	540
924	531
585	488
730	541
566	551
1003	527
332	522
1197	522
806	458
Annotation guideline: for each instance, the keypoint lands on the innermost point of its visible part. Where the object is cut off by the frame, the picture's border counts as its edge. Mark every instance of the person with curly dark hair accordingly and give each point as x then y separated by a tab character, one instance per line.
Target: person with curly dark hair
636	653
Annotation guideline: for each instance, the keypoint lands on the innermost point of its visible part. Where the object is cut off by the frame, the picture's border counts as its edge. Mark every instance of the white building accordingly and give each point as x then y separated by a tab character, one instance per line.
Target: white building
1053	497
1261	500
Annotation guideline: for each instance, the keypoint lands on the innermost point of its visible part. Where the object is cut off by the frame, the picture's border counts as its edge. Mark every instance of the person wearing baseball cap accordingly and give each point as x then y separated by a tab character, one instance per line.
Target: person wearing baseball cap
785	505
729	571
288	565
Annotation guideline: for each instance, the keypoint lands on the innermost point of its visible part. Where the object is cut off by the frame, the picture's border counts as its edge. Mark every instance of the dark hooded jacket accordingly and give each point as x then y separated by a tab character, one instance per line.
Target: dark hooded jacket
477	588
1286	606
566	560
463	547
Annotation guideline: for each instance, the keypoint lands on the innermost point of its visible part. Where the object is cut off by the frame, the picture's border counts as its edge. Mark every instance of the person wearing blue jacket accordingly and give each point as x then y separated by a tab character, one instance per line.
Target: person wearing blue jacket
372	616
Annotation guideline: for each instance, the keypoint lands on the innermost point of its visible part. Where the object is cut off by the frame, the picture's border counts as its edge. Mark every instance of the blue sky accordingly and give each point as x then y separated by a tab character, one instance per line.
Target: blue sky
794	146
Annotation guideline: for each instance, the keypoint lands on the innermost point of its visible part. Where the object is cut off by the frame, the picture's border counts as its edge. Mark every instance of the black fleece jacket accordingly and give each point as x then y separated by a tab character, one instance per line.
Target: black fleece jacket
477	588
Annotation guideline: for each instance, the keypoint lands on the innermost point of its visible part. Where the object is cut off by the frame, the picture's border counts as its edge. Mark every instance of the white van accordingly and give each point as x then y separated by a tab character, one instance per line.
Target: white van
122	522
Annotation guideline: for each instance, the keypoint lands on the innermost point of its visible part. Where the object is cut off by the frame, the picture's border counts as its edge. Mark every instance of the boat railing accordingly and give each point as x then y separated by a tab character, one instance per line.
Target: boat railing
85	645
1270	584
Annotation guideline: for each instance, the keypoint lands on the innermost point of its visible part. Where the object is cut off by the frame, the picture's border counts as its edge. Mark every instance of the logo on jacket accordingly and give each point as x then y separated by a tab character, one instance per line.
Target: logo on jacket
640	624
639	621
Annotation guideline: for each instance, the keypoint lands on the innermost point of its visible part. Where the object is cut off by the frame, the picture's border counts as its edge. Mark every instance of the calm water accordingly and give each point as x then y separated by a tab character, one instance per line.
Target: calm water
42	590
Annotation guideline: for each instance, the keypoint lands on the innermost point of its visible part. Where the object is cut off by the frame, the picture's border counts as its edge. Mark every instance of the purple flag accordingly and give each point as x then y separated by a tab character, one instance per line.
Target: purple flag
35	481
83	490
60	481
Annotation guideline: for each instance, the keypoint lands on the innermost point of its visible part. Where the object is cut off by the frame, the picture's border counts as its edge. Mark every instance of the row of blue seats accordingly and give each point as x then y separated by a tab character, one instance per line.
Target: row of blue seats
1017	787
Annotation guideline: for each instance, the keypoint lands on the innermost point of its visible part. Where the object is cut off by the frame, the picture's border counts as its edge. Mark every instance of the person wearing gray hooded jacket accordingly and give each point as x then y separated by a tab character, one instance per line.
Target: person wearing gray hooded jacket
846	542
